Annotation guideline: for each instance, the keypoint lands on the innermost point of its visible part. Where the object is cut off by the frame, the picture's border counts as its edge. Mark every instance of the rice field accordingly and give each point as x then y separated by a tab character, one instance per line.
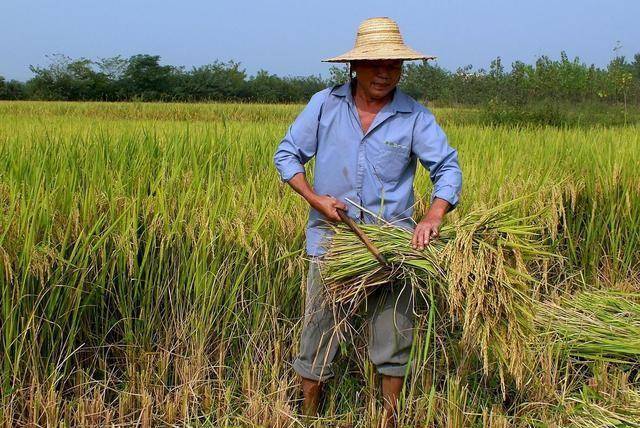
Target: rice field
152	272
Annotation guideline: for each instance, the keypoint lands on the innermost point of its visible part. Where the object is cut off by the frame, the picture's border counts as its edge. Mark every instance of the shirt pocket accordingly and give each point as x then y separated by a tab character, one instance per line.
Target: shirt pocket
389	159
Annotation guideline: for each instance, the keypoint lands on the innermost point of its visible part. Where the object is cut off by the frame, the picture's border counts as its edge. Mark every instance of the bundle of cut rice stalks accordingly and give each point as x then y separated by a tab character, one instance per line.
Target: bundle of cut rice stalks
486	264
600	410
600	325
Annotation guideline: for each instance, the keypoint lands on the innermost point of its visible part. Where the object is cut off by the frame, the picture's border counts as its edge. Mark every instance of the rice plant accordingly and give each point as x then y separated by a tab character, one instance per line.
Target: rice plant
487	264
152	266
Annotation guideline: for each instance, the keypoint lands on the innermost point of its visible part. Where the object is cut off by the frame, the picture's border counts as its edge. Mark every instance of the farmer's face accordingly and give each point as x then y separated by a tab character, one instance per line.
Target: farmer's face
378	78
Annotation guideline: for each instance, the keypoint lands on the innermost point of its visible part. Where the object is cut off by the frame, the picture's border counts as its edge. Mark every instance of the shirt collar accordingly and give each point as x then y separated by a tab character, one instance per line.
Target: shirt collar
399	103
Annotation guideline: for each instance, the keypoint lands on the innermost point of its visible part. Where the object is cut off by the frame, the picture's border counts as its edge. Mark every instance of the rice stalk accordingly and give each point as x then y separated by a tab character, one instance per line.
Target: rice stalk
600	410
596	325
486	264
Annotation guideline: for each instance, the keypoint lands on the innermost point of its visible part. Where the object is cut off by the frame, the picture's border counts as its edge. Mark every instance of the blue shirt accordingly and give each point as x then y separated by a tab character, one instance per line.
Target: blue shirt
375	170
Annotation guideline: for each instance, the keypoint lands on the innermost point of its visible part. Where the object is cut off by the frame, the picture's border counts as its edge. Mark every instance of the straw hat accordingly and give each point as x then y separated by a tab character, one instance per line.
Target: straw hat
379	38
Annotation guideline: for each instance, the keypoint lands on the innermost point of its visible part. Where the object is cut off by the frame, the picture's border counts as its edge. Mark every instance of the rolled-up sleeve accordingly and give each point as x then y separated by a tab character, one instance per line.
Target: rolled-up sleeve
431	147
301	139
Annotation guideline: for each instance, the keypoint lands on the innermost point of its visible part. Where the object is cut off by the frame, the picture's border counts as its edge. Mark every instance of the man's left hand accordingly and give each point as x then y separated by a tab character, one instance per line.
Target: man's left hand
429	226
425	231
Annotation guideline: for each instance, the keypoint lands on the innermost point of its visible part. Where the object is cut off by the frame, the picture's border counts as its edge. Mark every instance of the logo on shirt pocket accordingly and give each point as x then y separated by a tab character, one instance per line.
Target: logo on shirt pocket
394	145
389	160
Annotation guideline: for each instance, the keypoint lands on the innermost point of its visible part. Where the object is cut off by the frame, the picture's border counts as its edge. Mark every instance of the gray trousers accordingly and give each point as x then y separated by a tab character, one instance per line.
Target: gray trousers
390	325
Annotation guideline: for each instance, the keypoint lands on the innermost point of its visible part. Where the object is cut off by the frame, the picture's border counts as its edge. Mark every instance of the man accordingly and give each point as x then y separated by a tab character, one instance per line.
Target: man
366	136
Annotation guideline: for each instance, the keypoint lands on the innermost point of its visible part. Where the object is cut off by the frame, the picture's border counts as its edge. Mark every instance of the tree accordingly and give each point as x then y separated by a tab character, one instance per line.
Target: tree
301	88
66	79
266	88
145	78
635	66
12	90
338	74
426	81
113	70
217	81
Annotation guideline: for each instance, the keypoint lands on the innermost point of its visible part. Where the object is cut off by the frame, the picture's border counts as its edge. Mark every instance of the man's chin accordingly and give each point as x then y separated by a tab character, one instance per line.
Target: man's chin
379	94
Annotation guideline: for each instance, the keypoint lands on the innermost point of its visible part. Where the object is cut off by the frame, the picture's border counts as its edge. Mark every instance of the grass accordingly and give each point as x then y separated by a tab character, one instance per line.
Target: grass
152	269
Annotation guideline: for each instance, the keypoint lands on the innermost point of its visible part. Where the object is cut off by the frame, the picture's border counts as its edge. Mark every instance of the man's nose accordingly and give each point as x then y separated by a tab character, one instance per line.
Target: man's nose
382	72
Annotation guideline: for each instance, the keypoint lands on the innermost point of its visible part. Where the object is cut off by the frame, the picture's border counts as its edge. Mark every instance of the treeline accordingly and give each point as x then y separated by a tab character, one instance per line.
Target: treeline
144	78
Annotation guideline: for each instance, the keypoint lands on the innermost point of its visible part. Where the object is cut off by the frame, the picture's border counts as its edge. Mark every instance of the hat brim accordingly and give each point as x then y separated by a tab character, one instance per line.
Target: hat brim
380	53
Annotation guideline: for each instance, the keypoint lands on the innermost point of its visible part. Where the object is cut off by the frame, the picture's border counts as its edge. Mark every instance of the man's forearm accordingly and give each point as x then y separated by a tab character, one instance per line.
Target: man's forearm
300	184
439	207
324	204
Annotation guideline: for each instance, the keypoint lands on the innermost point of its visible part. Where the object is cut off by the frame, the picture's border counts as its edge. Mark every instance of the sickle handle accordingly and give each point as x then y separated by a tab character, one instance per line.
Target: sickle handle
363	237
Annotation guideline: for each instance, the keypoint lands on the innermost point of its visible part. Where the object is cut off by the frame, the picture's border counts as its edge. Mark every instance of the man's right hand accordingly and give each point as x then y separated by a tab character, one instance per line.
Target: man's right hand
328	206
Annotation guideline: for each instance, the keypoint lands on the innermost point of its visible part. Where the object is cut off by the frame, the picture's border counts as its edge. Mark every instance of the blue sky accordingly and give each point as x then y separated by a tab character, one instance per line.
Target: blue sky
290	37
